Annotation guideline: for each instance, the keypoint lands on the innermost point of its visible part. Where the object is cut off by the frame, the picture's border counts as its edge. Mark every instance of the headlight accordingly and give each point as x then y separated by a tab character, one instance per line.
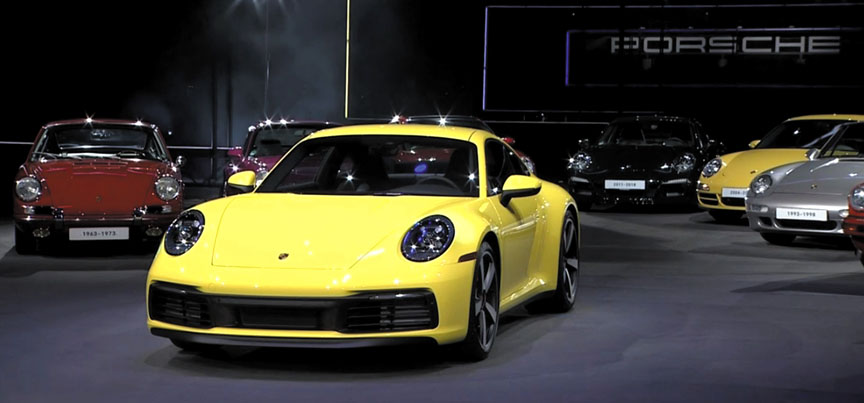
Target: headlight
259	176
684	163
856	198
712	167
761	184
184	232
28	188
428	238
580	162
167	188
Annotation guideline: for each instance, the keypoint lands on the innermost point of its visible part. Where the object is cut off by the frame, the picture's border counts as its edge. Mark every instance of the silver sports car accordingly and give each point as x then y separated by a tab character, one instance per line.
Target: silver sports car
809	198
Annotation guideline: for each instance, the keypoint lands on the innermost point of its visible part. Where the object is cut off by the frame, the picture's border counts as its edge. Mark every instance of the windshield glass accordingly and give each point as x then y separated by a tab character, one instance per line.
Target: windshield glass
648	132
849	144
276	141
377	165
800	134
119	141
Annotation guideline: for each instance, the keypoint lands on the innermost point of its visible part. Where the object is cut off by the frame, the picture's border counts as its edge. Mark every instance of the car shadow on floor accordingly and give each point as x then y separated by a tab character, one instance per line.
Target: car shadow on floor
674	208
516	332
843	284
99	256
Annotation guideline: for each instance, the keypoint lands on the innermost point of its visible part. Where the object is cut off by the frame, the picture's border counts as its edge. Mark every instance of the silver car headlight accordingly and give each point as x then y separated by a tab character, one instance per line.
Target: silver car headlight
761	184
712	167
580	162
28	188
684	163
184	232
428	238
856	198
167	188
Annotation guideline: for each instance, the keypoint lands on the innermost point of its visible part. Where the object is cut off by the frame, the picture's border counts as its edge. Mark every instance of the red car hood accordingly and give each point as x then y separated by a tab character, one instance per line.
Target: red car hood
99	186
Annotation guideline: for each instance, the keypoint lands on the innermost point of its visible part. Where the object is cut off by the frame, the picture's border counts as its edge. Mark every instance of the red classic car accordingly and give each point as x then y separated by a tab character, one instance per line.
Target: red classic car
853	224
90	179
265	144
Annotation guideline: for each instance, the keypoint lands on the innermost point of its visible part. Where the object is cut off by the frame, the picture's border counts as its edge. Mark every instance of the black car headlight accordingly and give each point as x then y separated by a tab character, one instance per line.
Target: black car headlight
167	188
28	189
712	167
684	163
856	198
580	162
184	232
428	238
761	184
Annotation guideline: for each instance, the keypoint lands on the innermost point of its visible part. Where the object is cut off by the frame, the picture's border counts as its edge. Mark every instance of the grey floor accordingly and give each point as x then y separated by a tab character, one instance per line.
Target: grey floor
673	308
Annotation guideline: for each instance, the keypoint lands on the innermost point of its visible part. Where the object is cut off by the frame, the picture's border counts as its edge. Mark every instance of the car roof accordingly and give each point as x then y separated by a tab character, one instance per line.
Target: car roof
410	129
833	116
84	121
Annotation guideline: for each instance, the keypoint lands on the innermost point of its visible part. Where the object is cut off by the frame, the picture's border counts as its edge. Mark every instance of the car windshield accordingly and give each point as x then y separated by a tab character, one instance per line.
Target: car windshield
848	144
648	132
100	141
800	134
377	165
276	141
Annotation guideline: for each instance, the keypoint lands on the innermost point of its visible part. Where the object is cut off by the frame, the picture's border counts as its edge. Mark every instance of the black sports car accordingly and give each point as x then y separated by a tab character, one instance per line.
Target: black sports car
641	160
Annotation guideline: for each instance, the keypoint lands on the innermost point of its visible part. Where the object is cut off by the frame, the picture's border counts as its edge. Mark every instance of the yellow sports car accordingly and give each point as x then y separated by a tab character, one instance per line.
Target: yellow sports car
725	180
369	235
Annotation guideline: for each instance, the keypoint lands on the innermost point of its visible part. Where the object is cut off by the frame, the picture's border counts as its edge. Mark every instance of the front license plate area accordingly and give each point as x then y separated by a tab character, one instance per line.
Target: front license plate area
618	184
801	214
99	234
737	193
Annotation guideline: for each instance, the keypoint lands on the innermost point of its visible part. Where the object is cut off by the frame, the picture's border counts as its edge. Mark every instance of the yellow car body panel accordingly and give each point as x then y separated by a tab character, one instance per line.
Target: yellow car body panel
740	168
338	246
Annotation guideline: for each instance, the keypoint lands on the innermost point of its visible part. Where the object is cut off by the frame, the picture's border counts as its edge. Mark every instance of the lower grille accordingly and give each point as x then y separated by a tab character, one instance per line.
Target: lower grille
360	313
708	199
733	201
813	225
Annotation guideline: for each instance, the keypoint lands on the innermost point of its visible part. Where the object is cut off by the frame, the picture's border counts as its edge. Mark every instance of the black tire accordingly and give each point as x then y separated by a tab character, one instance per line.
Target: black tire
726	216
778	239
25	244
483	307
194	347
568	271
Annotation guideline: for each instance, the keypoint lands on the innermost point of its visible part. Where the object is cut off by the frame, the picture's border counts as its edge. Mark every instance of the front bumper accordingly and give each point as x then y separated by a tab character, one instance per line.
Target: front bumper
247	305
57	225
854	227
292	342
659	188
762	214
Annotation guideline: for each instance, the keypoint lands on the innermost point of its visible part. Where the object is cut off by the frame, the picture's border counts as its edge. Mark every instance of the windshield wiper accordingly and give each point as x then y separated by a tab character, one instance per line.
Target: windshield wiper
387	194
56	156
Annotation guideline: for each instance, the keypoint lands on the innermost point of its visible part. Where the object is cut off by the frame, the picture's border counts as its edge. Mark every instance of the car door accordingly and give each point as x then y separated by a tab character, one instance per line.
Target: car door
518	220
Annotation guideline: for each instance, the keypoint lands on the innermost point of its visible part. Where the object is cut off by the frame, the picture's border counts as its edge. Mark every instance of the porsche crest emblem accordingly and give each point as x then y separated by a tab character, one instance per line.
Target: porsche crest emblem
813	186
283	256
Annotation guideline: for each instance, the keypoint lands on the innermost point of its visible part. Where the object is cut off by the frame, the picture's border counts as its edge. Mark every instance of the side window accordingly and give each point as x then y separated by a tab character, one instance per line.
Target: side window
498	166
517	164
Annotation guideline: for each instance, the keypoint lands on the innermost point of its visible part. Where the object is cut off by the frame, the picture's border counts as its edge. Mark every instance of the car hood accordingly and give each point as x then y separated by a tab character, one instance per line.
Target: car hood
314	231
616	158
824	176
742	167
99	186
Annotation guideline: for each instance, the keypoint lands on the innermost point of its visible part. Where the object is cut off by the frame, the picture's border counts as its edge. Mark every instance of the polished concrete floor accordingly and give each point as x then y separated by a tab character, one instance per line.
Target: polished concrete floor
673	308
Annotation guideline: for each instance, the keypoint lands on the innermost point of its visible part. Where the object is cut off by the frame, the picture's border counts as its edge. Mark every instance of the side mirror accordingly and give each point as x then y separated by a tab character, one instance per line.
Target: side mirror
754	143
812	154
236	152
180	161
243	181
519	186
509	140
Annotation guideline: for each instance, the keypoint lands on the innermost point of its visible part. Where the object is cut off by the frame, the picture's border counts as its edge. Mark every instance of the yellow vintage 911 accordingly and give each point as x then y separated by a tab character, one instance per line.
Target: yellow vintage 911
725	180
365	236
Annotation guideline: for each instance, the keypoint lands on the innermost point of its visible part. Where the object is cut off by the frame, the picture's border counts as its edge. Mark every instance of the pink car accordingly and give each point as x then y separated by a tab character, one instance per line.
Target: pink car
265	144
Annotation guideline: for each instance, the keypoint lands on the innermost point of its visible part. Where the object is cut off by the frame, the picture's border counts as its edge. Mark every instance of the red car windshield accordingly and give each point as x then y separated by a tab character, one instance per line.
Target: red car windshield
119	141
377	165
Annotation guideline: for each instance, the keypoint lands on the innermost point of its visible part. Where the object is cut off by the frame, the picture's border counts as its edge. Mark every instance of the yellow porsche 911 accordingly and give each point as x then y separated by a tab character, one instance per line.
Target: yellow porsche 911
365	236
725	180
